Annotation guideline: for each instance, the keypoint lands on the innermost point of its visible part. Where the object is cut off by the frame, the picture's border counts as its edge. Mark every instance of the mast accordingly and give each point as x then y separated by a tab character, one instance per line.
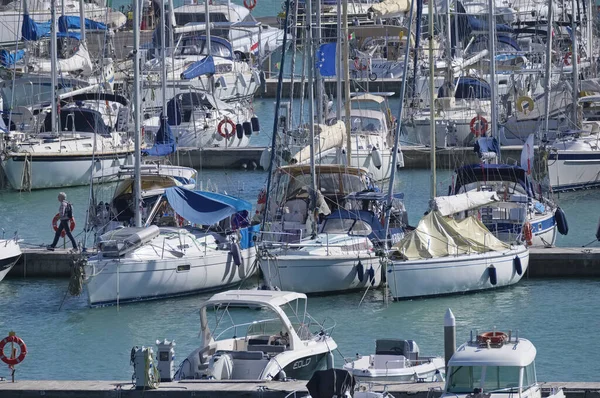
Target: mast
208	45
311	110
338	62
574	56
548	70
319	78
345	60
53	71
163	65
137	114
81	21
431	99
493	90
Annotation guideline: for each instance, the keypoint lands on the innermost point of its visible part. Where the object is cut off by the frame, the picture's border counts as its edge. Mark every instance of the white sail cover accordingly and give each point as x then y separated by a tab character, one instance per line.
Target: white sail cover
437	236
328	137
388	8
447	205
79	61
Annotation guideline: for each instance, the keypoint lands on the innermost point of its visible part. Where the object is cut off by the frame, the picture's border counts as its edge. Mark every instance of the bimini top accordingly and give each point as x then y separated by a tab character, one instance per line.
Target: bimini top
270	298
515	352
492	172
204	208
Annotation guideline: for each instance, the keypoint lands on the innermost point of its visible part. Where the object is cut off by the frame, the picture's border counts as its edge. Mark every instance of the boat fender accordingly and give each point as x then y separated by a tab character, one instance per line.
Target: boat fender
265	159
518	266
492	275
330	361
281	376
371	273
236	253
561	221
239	131
383	273
376	158
255	124
360	271
598	231
247	128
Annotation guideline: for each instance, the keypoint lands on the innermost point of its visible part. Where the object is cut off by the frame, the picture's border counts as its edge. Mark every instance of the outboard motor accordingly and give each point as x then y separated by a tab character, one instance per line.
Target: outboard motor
220	366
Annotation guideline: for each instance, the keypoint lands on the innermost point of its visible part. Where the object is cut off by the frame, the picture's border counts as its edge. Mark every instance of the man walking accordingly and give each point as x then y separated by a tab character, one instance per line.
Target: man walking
65	211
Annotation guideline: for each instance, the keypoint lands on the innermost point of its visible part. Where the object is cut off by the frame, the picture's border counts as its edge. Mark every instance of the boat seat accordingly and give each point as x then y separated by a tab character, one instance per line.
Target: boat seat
389	361
247	355
258	341
266	348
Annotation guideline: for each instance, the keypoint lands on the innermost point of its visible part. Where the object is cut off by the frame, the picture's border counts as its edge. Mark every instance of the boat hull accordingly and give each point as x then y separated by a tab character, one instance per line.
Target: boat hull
320	275
361	158
127	280
452	275
572	170
428	371
9	255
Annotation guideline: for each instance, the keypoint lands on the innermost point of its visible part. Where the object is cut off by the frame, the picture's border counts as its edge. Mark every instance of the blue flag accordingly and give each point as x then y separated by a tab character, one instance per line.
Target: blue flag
325	62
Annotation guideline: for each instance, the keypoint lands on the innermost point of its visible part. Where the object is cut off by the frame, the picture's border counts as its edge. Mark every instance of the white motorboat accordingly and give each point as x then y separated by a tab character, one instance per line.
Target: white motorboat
443	256
504	365
396	360
574	161
93	135
168	257
281	341
9	255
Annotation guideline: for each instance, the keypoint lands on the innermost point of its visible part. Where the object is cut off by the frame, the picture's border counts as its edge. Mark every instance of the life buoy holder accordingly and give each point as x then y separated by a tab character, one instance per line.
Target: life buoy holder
222	131
528	233
479	126
56	223
567	60
11	338
521	101
250	4
494	338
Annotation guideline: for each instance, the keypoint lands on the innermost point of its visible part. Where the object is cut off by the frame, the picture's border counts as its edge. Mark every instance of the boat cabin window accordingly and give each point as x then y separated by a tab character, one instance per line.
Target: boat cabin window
465	379
197	46
327	183
346	225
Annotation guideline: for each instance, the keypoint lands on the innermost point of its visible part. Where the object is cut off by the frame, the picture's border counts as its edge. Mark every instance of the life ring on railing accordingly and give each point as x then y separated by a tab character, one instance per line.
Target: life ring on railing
222	131
55	226
495	338
481	128
567	60
11	338
522	101
528	233
250	4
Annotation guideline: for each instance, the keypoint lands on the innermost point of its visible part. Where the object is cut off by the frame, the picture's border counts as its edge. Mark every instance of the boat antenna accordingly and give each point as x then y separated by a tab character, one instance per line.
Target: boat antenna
276	117
398	124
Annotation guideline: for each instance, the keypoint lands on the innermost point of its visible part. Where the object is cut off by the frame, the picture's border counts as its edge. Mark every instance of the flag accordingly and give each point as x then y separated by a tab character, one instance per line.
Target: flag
527	155
325	62
254	48
352	36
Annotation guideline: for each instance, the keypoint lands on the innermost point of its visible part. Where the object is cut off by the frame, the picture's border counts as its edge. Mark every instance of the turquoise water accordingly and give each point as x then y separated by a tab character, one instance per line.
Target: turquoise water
559	316
264	8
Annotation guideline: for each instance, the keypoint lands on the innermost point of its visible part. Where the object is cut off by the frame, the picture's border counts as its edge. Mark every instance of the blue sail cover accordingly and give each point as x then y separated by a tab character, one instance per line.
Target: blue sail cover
482	25
492	172
204	208
71	22
31	30
205	66
8	58
485	145
164	142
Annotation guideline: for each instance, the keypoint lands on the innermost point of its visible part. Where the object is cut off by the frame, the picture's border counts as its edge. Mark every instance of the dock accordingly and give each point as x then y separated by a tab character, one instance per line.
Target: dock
554	262
237	389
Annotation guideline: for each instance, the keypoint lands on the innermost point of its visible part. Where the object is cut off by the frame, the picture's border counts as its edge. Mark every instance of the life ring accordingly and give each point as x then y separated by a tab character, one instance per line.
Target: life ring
567	59
482	126
56	223
221	130
250	4
372	76
11	338
494	338
528	233
522	101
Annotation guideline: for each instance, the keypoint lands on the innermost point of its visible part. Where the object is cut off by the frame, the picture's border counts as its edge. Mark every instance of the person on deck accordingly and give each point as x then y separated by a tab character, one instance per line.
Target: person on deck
65	212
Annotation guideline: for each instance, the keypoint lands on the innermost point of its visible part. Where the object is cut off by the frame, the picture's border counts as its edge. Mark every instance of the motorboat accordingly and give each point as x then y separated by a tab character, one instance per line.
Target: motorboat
447	256
278	342
9	255
192	242
504	364
396	360
92	135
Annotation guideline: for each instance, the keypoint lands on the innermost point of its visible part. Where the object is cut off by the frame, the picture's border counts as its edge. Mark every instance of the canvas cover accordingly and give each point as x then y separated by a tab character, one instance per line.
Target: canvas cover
448	205
390	7
328	137
437	236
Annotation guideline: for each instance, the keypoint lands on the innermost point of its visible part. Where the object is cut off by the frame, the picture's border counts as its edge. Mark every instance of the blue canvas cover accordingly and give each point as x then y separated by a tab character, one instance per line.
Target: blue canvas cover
164	142
204	208
492	172
205	66
71	22
482	25
9	58
367	216
31	30
247	235
486	144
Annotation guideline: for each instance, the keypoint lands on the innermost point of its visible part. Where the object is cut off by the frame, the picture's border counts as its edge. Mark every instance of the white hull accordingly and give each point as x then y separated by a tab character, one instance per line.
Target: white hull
136	278
460	274
56	170
363	371
361	158
324	274
9	254
570	170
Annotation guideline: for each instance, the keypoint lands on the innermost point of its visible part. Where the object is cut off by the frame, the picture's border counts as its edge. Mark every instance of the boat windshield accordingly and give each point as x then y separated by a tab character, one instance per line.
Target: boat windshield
465	379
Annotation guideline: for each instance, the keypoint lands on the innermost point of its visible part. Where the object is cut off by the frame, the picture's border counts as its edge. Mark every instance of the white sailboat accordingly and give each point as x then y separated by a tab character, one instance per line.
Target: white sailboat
9	255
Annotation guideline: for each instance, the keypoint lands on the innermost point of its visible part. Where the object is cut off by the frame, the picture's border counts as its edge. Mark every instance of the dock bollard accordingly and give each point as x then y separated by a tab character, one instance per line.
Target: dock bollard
449	336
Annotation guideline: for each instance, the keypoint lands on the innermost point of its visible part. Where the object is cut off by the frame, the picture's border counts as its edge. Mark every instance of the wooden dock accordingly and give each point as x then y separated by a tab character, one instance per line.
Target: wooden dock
236	389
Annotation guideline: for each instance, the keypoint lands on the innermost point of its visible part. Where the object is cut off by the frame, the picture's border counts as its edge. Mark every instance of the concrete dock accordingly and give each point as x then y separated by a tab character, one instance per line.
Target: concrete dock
555	262
237	389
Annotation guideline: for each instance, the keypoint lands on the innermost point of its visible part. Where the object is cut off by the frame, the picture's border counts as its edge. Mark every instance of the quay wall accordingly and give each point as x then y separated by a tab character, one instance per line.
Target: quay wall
556	262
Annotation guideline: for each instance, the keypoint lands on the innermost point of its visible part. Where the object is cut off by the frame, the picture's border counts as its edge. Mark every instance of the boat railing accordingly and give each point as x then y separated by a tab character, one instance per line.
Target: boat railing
249	327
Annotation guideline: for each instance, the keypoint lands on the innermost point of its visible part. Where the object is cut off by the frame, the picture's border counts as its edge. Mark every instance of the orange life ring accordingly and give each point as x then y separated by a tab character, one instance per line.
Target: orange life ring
495	338
56	223
250	4
482	126
11	338
528	233
567	59
222	132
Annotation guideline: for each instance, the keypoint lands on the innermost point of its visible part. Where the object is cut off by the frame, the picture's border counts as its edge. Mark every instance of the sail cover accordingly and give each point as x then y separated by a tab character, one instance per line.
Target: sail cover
33	31
204	208
328	137
72	22
388	8
452	204
205	66
164	142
